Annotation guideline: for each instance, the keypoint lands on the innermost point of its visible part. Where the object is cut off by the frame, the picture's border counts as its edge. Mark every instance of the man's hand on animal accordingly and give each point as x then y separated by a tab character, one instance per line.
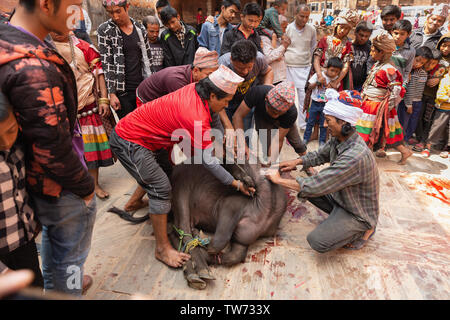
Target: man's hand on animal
290	165
240	186
273	174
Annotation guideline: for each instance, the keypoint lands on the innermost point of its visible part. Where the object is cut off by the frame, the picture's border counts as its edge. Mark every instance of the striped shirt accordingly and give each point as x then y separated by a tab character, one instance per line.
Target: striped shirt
351	179
415	87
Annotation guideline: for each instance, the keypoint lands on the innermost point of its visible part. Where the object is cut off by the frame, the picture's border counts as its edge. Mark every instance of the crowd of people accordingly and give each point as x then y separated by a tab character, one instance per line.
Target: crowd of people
358	89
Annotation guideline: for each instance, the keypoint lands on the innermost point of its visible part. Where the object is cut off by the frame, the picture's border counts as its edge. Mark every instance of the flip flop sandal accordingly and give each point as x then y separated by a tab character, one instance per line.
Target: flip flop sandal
358	243
418	147
425	153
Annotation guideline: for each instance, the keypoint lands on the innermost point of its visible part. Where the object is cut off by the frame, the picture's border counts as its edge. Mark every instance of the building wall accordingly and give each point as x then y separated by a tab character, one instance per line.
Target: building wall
8	5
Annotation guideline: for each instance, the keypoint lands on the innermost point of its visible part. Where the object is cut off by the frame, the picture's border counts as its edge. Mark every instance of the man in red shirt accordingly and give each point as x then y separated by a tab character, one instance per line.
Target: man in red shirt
169	80
184	115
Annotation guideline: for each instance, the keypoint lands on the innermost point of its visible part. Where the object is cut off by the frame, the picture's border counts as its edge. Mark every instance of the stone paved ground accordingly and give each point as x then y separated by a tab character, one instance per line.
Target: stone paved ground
407	258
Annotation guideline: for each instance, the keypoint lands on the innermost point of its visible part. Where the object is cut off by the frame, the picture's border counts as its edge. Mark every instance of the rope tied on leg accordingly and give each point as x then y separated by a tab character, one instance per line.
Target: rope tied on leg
197	241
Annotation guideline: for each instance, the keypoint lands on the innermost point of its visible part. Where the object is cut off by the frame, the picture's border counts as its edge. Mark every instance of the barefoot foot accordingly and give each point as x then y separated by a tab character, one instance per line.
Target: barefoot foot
100	193
171	257
405	155
381	153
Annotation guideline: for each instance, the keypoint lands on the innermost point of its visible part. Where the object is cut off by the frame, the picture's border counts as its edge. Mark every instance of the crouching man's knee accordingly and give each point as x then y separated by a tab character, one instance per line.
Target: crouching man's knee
316	242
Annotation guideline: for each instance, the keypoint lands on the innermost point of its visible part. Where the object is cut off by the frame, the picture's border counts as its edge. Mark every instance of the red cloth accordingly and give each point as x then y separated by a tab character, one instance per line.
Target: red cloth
156	123
90	53
324	45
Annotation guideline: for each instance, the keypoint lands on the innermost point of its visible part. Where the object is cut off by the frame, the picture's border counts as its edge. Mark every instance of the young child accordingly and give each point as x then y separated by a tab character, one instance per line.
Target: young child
403	56
331	73
437	68
18	224
441	118
410	107
361	53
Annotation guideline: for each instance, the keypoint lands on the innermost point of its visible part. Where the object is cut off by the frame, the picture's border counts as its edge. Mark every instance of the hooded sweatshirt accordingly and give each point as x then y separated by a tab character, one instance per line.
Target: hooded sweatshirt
41	86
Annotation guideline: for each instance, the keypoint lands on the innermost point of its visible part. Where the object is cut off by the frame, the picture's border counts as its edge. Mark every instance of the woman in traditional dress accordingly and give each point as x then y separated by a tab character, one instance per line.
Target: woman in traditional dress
94	113
336	45
382	91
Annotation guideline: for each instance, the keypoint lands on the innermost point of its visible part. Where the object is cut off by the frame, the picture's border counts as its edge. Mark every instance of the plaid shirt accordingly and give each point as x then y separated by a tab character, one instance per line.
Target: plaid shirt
180	35
18	224
351	179
110	46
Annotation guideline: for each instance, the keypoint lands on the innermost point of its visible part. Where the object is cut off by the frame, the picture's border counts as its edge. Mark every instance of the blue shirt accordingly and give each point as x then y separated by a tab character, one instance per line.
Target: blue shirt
210	35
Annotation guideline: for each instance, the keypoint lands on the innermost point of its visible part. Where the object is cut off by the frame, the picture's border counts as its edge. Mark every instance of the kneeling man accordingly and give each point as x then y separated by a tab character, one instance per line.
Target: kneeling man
348	190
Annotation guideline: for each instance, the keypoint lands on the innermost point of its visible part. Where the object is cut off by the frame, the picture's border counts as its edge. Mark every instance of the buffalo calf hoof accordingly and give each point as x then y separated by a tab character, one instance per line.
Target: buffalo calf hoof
195	282
206	275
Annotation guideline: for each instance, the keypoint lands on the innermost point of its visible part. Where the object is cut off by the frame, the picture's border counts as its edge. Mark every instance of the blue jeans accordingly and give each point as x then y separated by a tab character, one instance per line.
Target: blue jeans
316	109
409	120
67	226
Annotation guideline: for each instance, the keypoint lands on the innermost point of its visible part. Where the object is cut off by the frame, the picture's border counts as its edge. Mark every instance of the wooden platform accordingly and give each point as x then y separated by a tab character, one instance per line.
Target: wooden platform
408	257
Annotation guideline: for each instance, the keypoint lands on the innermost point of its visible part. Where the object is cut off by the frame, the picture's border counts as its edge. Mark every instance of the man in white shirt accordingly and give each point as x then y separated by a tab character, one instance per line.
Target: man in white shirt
298	55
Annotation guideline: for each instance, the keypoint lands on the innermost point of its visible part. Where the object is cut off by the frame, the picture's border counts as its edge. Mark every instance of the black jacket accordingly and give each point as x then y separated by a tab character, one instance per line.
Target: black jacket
174	53
233	35
416	39
41	87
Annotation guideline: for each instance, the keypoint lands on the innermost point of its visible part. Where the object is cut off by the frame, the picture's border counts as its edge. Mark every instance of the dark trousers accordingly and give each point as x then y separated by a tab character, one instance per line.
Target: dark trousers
127	103
339	229
425	118
316	111
25	257
409	120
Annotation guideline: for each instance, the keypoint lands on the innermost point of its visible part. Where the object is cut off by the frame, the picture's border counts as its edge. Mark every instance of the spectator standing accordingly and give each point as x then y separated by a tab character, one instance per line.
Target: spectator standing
18	223
93	103
382	91
41	87
250	18
271	17
441	119
430	33
125	54
389	16
274	50
361	53
83	29
299	54
211	35
179	41
435	71
409	109
161	4
403	56
151	24
200	19
331	73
